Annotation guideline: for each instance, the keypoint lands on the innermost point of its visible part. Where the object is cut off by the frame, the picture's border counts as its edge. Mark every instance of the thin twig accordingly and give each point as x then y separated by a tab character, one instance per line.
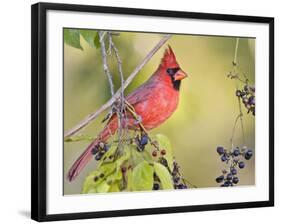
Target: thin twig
233	129
241	120
240	115
104	60
236	50
109	103
121	105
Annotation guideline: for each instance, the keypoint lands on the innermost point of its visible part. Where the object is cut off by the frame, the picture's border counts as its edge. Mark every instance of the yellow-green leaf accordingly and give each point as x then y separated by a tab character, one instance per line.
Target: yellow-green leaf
77	138
164	176
97	40
103	187
72	38
97	177
114	187
105	157
89	36
165	144
125	156
142	177
89	183
129	180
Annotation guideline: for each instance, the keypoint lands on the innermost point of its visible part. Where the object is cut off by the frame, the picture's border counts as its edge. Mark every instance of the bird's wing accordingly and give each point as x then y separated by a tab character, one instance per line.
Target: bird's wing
142	93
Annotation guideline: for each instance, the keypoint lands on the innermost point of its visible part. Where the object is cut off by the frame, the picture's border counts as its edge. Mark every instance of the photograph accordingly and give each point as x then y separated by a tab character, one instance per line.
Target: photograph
149	111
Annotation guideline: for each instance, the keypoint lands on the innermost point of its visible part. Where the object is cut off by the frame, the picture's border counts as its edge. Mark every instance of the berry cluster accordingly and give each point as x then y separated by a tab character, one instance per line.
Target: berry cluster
155	152
234	159
177	178
100	150
247	95
141	142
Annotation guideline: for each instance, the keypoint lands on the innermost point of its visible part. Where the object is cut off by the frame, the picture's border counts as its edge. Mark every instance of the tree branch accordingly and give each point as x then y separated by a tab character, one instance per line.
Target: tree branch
109	103
104	60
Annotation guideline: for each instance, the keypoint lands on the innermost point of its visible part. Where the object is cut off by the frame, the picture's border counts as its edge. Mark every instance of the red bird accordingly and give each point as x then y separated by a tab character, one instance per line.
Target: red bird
154	102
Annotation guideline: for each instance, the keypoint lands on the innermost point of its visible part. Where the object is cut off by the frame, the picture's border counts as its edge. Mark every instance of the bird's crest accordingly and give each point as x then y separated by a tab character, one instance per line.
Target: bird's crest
169	58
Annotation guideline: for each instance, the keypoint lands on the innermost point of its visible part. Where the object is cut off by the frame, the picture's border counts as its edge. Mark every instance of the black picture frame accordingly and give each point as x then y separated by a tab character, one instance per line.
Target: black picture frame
39	122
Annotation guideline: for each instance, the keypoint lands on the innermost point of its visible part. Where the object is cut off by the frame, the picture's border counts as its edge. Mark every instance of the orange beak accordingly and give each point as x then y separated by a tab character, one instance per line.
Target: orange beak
180	75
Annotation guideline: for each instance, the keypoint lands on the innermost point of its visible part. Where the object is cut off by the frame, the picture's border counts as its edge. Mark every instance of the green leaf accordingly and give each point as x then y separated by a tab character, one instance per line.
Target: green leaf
72	38
129	186
126	155
97	40
94	178
103	187
89	183
114	187
89	36
106	156
164	176
119	162
147	156
77	138
107	168
136	155
164	143
142	177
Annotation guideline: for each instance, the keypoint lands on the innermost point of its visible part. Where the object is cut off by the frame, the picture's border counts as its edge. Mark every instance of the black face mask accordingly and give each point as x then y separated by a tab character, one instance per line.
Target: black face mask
171	72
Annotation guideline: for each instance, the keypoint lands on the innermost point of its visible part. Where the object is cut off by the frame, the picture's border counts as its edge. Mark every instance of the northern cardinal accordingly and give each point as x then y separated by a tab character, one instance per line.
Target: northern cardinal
154	102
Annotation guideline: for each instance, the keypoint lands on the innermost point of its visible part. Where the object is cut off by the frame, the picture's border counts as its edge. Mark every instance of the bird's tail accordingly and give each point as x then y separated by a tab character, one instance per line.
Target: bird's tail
87	155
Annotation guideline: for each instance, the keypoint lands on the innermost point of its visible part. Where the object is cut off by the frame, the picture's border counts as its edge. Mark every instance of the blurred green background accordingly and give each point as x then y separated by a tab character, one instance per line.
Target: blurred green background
206	112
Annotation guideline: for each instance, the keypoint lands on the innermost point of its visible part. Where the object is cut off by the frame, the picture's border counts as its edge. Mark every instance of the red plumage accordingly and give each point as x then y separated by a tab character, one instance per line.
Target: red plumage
154	101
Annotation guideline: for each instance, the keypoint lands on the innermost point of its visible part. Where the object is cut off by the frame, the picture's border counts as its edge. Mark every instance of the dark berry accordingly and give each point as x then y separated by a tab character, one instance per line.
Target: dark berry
248	154
245	100
236	152
95	150
163	152
106	148
154	153
241	165
223	158
220	150
229	176
123	169
220	179
235	180
252	88
226	184
144	140
98	156
101	175
238	93
176	179
156	186
233	171
252	100
96	178
181	186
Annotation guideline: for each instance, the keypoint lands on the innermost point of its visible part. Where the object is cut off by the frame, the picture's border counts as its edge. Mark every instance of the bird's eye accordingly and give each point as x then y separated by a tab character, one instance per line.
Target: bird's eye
172	71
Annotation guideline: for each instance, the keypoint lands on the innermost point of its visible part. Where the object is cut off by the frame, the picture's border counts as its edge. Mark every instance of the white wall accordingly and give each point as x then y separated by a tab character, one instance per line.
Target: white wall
15	109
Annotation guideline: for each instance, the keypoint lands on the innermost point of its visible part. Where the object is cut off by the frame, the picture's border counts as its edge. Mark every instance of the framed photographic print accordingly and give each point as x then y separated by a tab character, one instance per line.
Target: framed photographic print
138	111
